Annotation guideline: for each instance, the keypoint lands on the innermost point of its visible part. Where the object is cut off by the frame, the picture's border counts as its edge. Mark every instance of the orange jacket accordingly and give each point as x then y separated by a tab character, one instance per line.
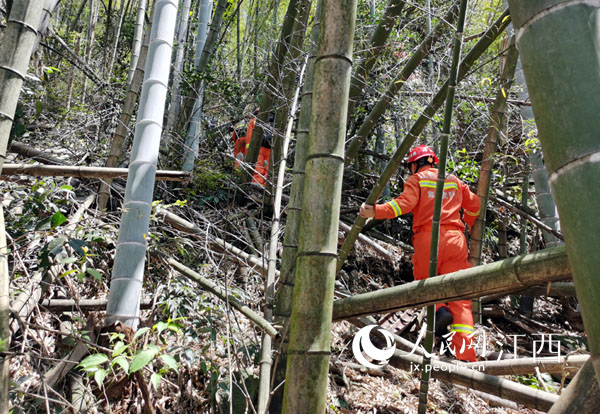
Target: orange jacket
419	196
241	144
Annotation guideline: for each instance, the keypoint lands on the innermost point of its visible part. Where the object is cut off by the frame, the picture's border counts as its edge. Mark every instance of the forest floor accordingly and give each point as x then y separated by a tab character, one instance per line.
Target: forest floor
199	347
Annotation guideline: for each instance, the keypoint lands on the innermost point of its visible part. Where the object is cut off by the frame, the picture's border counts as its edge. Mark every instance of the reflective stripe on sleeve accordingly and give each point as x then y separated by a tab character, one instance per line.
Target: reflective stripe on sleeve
396	207
461	328
432	184
475	214
427	183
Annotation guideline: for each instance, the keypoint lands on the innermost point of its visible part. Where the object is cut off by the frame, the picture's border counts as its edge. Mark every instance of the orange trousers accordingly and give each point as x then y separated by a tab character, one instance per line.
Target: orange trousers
262	166
453	255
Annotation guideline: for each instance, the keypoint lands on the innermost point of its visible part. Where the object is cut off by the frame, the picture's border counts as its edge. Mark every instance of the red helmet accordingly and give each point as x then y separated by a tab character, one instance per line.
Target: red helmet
421	151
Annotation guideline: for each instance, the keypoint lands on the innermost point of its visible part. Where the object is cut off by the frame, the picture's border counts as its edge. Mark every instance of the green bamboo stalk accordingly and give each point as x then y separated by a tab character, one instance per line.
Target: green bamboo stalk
283	300
398	82
558	44
582	395
128	270
4	316
526	302
15	52
264	389
437	205
310	327
503	276
486	40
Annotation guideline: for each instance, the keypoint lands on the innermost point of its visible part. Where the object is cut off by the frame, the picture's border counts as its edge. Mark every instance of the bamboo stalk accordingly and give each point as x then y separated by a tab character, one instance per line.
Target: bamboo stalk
523	366
582	395
502	276
437	205
266	360
86	305
28	151
458	374
40	170
221	293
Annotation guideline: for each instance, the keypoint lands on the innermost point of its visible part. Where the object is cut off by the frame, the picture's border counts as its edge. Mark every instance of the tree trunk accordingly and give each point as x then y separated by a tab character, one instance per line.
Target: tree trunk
561	61
128	269
15	52
486	40
310	327
503	276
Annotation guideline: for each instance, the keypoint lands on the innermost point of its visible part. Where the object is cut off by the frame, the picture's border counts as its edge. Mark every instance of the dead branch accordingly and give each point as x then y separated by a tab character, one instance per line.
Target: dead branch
40	170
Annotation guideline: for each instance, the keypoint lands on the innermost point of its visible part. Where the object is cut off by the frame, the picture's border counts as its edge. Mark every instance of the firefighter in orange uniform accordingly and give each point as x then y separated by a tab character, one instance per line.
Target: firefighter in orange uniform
264	155
418	197
241	136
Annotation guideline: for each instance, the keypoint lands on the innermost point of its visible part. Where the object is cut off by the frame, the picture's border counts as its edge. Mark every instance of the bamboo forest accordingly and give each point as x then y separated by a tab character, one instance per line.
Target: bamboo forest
299	206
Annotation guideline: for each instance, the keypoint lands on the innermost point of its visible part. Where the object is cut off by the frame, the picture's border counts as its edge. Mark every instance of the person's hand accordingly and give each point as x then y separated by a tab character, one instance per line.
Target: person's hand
367	211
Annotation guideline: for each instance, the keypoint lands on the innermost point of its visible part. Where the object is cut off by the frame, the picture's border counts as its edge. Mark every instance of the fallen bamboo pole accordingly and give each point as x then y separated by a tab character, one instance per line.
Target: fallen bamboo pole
40	170
456	373
523	366
581	395
222	294
503	276
69	305
556	289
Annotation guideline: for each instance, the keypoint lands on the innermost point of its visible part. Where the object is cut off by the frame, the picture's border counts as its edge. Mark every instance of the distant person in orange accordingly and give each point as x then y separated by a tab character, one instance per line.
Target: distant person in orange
418	197
264	155
241	136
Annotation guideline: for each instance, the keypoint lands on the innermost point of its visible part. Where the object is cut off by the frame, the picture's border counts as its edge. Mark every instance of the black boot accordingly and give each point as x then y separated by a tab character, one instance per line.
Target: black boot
443	318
